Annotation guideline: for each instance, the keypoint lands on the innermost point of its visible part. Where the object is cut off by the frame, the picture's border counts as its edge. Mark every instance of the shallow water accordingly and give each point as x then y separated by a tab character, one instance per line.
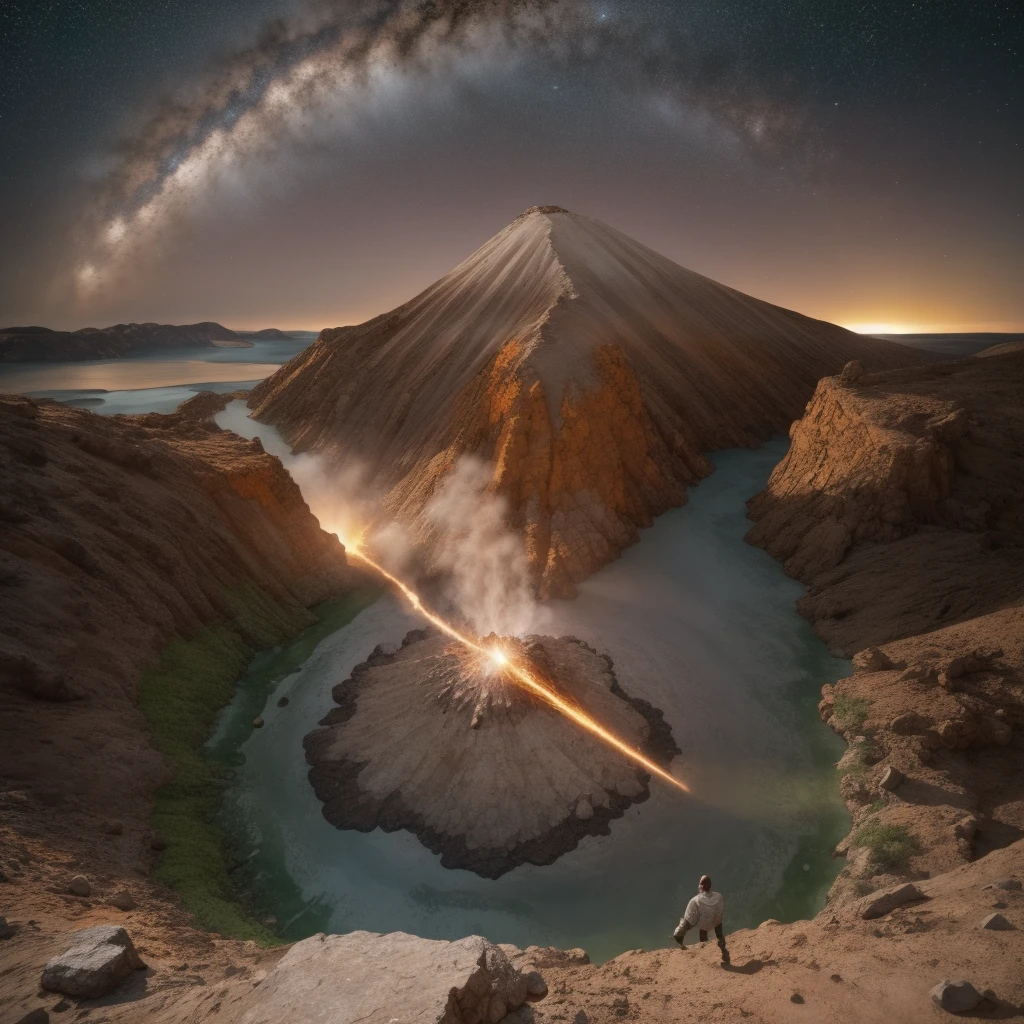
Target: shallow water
699	623
157	381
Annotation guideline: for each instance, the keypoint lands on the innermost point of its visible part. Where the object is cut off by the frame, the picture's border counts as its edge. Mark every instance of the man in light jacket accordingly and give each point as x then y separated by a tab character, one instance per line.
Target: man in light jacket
704	912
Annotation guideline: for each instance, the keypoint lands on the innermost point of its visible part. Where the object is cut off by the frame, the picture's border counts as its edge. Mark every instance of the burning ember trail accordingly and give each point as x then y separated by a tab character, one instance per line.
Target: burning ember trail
519	675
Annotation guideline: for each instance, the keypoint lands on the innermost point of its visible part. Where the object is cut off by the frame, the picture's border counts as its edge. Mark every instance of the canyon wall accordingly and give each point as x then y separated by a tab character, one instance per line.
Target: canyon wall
901	505
119	536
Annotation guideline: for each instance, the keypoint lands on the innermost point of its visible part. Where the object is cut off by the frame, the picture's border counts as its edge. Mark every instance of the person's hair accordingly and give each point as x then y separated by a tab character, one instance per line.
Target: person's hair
705	882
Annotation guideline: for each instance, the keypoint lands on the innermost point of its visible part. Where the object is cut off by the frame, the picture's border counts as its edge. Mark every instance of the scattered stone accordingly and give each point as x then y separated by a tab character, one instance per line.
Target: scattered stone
123	901
536	986
98	960
966	828
36	1016
581	1018
997	923
955	996
891	778
283	702
871	659
257	722
158	843
1007	884
996	731
115	828
6	931
79	886
852	372
835	977
353	977
881	903
796	998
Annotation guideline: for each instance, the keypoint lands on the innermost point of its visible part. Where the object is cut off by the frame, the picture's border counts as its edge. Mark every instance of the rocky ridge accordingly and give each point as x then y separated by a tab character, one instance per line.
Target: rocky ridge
589	371
901	505
119	535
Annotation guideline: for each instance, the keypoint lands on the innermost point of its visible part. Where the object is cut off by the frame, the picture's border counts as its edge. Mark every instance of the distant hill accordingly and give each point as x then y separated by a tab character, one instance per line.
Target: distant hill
40	344
952	344
267	334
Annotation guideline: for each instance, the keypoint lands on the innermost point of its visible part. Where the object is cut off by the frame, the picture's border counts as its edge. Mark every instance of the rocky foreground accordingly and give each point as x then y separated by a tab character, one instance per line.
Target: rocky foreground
590	371
442	743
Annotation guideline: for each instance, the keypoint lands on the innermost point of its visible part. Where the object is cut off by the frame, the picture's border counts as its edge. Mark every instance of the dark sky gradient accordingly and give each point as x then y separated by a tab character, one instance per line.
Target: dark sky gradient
858	161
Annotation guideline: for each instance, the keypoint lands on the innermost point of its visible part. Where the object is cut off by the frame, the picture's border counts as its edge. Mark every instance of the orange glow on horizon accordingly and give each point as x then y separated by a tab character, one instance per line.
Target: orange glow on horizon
519	675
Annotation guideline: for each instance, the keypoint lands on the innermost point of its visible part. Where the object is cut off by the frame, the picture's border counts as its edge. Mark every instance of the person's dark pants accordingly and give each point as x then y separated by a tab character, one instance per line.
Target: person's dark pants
680	935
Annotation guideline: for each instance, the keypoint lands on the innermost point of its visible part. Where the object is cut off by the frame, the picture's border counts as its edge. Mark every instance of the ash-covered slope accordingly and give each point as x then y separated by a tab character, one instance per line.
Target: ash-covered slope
592	372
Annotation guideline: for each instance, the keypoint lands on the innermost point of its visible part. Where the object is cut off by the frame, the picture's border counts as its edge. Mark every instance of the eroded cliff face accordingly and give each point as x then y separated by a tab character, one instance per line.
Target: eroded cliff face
117	536
901	505
591	372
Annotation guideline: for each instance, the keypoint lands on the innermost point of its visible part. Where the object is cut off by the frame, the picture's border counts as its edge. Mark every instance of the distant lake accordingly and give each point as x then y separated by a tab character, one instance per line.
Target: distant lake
153	382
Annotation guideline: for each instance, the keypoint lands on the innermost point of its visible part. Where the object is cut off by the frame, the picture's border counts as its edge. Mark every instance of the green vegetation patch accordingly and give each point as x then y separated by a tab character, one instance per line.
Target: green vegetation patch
850	713
180	700
891	846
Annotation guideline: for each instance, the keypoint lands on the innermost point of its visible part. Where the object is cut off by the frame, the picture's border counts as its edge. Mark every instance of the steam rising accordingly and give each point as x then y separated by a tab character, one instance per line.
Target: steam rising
339	54
490	577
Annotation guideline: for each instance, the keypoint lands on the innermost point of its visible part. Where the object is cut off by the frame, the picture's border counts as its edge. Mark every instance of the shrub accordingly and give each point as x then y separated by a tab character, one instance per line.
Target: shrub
891	846
849	712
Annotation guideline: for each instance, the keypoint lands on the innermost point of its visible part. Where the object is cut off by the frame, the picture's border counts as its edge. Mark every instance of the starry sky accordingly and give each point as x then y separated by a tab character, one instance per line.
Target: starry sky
311	163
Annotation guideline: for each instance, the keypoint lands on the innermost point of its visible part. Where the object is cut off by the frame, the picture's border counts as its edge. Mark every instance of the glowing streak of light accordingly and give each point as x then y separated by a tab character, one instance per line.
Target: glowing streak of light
521	676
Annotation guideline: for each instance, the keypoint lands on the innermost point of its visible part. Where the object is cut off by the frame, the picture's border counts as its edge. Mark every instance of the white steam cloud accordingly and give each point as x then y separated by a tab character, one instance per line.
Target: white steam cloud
490	577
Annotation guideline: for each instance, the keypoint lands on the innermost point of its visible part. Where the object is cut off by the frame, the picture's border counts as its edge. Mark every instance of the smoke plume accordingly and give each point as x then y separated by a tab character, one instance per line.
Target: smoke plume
490	577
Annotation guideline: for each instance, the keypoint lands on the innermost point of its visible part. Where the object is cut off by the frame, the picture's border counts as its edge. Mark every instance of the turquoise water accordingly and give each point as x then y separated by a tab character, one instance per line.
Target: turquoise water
699	623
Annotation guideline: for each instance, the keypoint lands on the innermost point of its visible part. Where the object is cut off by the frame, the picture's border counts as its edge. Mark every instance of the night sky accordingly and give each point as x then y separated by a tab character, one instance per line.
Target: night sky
293	164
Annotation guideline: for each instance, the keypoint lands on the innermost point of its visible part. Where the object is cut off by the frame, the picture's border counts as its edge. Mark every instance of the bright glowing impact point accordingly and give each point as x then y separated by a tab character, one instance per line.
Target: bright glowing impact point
519	675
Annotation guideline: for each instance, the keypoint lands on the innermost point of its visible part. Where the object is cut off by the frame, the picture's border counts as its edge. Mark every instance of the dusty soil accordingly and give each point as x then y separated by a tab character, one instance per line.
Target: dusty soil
592	373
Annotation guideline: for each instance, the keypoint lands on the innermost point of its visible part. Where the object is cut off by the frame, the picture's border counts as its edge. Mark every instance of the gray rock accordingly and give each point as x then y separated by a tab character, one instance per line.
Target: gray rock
1007	884
997	923
891	778
881	903
956	996
584	809
362	976
123	901
98	960
79	886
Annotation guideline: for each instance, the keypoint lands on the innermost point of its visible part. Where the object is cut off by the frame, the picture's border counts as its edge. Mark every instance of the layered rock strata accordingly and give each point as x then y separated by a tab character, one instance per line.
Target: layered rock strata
119	535
443	743
901	505
589	371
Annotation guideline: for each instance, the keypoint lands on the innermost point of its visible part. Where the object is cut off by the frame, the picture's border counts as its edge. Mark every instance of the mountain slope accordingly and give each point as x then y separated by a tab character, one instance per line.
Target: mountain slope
591	371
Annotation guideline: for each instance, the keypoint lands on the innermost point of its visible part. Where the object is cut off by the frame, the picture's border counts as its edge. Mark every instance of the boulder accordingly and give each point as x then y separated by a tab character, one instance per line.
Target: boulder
997	923
536	986
79	886
123	901
891	778
98	960
871	659
881	903
362	976
956	996
852	372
